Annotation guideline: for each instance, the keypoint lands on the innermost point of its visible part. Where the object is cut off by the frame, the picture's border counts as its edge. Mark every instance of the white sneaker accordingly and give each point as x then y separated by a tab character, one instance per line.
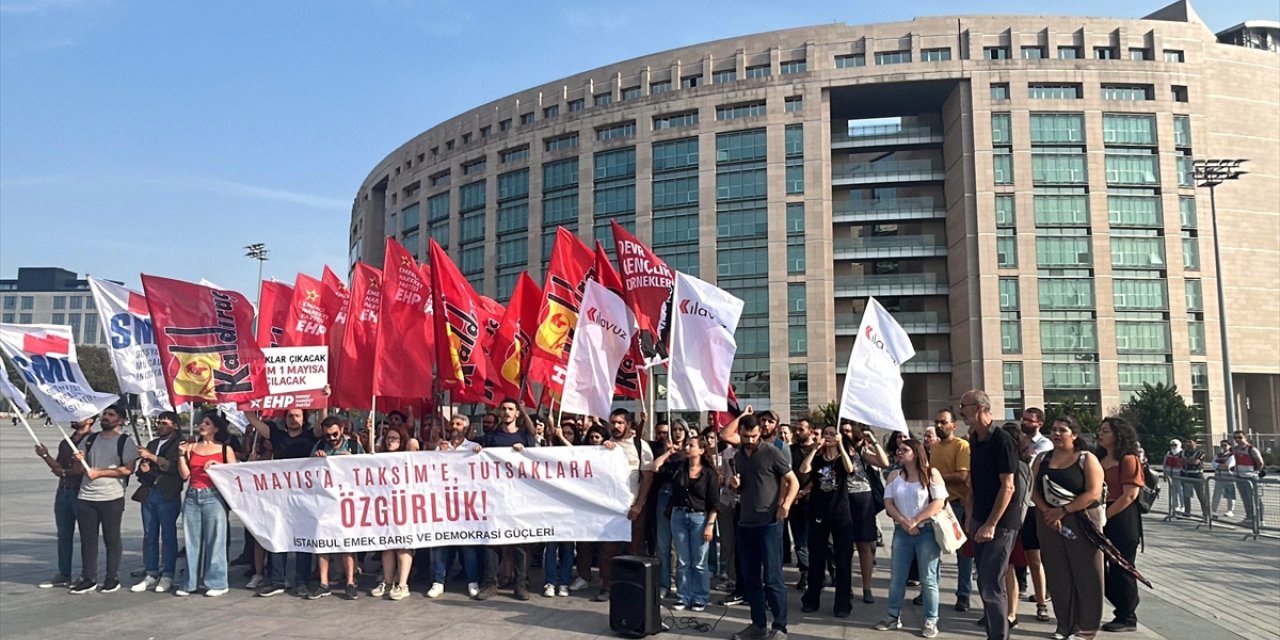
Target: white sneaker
182	593
473	589
548	590
148	583
213	593
563	591
254	582
930	630
164	585
1228	515
579	584
436	590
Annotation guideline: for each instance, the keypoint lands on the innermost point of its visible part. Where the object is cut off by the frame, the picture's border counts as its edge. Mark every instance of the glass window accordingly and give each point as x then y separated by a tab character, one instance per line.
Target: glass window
732	112
795	218
851	60
1195	337
612	132
1128	129
1068	336
759	71
1010	336
10	302
1190	252
935	55
741	146
439	233
795	176
1128	252
1006	249
1032	53
1058	166
681	229
1005	211
1063	251
675	154
1187	212
1104	53
1195	296
471	260
1012	375
514	155
795	257
1002	165
630	93
410	218
526	118
1127	92
1134	208
602	99
1066	293
57	318
1038	91
689	82
59	303
577	105
1001	128
1180	94
722	77
794	140
1009	294
893	57
794	103
1142	337
671	120
512	252
615	199
514	184
620	163
471	228
28	303
1057	128
471	196
1173	55
1133	376
737	184
75	323
1182	131
793	66
24	318
504	125
551	111
1139	54
1068	53
1186	169
999	91
440	179
1132	168
1069	375
513	217
1061	210
732	263
677	192
659	87
558	143
474	167
1140	294
995	53
559	175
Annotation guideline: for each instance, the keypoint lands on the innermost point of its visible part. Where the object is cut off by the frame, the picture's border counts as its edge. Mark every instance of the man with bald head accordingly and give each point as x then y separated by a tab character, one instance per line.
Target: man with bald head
991	515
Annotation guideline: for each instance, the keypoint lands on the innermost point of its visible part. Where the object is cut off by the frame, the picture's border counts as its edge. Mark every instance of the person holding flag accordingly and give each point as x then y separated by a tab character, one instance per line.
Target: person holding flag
100	503
64	502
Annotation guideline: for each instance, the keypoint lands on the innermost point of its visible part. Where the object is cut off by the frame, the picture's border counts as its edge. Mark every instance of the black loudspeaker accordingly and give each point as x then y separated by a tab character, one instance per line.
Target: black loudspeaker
633	597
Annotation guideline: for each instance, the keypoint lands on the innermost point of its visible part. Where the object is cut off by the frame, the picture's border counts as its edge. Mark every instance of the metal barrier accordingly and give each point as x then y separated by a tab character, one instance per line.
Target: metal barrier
1200	499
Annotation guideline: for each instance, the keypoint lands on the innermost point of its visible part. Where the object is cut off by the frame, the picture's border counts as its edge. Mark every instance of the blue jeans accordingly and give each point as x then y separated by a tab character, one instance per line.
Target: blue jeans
798	520
964	565
760	551
693	578
64	516
923	548
557	563
664	538
160	529
276	568
442	559
204	523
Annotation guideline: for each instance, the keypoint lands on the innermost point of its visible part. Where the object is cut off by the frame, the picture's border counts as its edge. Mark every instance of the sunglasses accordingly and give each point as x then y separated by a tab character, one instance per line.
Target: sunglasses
333	436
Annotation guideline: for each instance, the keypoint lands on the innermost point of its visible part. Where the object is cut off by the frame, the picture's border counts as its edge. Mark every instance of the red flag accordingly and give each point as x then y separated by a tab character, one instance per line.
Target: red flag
509	353
723	418
404	350
353	389
46	344
310	315
647	279
338	291
572	264
273	312
630	376
206	342
459	347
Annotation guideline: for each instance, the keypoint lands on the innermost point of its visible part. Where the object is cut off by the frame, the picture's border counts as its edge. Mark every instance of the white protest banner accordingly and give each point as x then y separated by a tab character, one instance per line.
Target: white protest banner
703	320
601	341
296	377
131	340
873	380
45	356
431	498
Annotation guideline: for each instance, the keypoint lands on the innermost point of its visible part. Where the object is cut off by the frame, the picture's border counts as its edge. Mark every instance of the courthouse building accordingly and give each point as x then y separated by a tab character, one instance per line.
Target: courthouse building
1017	190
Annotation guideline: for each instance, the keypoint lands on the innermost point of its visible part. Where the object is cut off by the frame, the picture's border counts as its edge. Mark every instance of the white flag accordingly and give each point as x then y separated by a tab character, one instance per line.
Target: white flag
703	320
131	342
18	398
45	356
873	380
602	339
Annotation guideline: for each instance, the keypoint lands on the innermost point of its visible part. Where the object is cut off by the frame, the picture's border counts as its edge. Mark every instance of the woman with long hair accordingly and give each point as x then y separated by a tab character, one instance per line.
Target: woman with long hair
396	563
1067	488
204	512
695	492
678	436
868	459
558	558
914	494
826	470
1122	471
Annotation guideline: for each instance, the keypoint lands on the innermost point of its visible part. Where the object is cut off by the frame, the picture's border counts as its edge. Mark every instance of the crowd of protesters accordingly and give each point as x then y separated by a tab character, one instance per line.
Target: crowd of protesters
731	504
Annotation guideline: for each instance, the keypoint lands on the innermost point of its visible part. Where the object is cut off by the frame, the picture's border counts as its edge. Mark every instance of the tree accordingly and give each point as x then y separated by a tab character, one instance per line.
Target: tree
1160	414
96	364
827	414
1083	413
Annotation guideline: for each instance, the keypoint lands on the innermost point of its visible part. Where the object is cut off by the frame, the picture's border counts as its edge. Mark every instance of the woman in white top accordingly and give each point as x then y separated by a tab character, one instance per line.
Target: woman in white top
913	495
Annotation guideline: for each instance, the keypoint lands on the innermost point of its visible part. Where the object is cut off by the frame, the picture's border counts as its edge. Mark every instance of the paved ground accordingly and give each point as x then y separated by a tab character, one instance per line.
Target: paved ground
1208	585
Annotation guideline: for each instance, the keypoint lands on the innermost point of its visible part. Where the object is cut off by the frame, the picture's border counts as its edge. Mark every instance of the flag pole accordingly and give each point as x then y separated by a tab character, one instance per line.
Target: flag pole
84	463
25	423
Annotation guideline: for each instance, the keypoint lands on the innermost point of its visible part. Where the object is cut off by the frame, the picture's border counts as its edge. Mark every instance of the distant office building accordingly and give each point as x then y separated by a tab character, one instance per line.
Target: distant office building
51	295
1017	190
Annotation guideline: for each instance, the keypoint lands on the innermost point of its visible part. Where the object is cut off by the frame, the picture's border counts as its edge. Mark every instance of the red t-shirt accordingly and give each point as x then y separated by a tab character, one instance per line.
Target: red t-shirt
1128	472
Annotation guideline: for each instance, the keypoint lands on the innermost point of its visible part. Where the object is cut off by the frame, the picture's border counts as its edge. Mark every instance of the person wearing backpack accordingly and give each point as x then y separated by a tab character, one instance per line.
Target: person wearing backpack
1122	471
204	512
64	502
100	504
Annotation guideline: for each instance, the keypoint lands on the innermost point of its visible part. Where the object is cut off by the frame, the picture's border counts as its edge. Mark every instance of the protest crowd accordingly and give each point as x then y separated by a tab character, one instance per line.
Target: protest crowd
1030	512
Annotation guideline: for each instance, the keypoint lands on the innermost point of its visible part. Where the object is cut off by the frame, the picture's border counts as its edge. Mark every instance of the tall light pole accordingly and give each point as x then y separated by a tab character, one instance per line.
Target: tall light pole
258	251
1211	173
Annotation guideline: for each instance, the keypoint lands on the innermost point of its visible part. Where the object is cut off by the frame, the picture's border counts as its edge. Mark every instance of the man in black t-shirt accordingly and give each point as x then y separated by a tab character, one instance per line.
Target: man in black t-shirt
804	441
991	514
289	441
514	429
767	486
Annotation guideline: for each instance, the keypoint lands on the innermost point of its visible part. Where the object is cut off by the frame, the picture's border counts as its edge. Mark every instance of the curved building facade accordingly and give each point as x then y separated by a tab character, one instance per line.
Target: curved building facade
1017	190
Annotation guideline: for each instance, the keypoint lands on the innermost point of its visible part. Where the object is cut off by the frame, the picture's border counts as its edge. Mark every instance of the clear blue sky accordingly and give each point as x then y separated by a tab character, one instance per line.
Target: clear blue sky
164	136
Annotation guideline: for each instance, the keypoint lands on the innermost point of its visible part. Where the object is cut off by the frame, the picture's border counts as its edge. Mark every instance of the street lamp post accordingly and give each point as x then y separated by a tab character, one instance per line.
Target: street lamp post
1211	173
258	251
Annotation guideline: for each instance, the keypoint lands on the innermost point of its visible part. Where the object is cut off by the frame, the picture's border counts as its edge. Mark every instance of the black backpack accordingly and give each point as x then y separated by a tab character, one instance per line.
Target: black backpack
120	442
1150	490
